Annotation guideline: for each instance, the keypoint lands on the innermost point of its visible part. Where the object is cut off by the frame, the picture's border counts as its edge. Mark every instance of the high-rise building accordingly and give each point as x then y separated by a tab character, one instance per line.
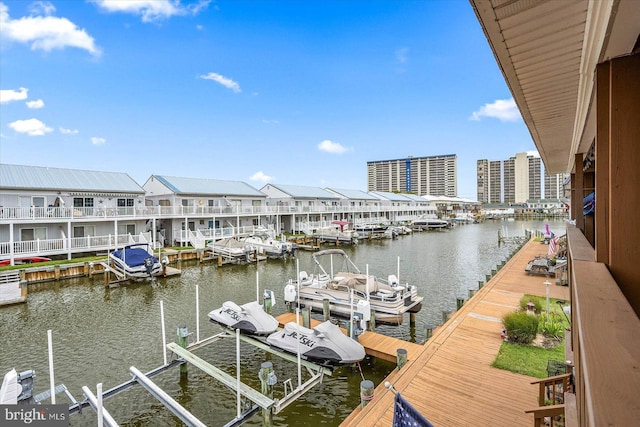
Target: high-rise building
554	185
435	175
514	180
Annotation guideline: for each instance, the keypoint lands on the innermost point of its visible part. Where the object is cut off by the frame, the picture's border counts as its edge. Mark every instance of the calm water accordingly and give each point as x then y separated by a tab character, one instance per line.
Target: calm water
99	333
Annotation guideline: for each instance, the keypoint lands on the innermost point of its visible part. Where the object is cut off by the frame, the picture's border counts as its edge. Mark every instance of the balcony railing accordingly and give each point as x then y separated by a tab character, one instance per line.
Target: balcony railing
605	340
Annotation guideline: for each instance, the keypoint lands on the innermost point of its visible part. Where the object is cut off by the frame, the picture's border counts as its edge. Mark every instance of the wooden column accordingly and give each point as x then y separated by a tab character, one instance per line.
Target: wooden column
602	163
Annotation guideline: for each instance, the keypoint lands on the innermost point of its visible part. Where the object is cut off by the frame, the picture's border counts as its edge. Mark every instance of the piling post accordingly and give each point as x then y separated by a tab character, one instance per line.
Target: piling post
56	272
326	310
401	355
472	292
267	302
372	321
428	333
493	272
219	260
183	333
267	381
488	277
412	320
366	392
107	277
445	316
306	317
459	303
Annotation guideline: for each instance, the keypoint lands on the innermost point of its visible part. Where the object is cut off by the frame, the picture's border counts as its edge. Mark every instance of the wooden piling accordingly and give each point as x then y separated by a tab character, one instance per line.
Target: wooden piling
459	303
372	321
267	380
267	303
306	317
412	319
326	310
366	392
428	333
183	333
401	354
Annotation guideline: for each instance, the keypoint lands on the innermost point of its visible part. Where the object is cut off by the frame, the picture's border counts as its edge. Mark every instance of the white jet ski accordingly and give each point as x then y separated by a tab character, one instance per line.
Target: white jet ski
250	318
325	344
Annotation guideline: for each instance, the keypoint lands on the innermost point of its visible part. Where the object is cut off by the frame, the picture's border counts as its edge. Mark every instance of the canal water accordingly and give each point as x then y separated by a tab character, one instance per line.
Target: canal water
99	333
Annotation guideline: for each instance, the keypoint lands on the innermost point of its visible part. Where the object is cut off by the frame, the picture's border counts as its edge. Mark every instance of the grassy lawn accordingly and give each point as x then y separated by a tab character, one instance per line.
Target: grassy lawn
530	359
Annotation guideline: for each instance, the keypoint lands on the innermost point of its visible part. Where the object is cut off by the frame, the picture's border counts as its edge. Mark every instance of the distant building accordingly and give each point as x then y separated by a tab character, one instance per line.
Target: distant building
554	185
509	181
435	175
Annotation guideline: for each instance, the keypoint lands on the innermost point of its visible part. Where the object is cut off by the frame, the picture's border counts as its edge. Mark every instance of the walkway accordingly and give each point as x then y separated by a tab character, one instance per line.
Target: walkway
451	382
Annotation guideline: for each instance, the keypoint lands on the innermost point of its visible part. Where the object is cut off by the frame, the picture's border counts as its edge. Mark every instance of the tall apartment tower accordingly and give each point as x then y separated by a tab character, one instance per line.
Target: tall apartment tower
434	175
509	181
554	185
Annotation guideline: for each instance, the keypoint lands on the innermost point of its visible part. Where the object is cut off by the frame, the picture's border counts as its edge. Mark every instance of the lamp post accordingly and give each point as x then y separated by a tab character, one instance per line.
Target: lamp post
547	283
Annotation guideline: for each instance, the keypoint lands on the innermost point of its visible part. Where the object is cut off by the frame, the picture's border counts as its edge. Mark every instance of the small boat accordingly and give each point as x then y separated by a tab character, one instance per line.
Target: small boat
136	261
346	288
250	318
337	232
325	344
264	242
427	222
232	248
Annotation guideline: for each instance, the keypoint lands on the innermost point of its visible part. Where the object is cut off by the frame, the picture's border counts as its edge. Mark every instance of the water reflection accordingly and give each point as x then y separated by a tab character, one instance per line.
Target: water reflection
98	332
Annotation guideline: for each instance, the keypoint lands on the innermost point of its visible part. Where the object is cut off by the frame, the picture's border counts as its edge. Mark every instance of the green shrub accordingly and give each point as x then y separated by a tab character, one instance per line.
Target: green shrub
520	327
554	327
537	301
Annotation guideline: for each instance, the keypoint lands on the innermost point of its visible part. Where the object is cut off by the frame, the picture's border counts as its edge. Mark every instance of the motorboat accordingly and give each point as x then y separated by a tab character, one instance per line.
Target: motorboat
324	344
250	318
266	243
232	248
387	298
429	221
337	232
136	261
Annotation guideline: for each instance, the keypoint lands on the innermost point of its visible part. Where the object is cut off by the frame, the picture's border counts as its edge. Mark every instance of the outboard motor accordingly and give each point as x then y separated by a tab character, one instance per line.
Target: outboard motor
290	294
148	264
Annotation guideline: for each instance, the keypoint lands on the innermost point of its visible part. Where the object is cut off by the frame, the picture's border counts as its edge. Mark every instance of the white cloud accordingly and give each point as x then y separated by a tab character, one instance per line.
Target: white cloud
401	55
38	103
504	110
41	8
32	127
224	81
533	153
152	10
97	140
8	95
66	131
260	176
332	147
45	32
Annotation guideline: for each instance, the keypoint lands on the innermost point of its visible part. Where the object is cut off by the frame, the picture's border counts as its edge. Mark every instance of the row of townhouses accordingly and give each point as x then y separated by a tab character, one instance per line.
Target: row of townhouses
52	211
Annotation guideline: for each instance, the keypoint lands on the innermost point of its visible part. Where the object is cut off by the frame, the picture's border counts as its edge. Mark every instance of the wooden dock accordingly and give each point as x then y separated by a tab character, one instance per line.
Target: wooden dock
376	345
451	381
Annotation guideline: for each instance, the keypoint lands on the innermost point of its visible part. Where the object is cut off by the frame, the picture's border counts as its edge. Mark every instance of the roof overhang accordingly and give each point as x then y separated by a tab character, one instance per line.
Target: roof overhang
548	51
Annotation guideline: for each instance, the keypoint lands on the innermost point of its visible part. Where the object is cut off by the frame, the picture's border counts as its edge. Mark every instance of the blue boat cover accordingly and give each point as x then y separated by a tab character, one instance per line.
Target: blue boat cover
589	204
133	257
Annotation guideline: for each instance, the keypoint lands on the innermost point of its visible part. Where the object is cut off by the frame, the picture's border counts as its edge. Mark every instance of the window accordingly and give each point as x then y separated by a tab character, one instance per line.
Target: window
38	202
84	231
127	229
37	233
83	202
125	203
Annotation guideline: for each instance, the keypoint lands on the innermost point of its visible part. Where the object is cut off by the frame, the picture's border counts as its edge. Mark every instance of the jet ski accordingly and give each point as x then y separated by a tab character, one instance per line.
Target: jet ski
250	318
325	344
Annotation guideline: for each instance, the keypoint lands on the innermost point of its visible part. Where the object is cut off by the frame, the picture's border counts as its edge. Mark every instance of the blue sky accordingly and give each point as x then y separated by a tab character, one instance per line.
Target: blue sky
289	92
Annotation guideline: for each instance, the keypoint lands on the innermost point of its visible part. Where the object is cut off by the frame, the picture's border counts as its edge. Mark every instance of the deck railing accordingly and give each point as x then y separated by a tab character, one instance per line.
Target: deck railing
605	340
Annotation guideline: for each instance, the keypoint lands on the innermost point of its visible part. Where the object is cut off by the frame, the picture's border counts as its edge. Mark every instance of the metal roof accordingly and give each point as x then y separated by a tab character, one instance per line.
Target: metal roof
547	51
204	186
302	192
394	197
20	177
354	194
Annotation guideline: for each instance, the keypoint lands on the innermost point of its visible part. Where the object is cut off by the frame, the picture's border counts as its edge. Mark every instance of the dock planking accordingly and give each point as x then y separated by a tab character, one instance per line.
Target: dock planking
377	345
451	381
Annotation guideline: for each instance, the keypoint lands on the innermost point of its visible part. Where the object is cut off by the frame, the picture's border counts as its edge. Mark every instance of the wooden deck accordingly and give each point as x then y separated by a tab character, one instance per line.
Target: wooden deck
376	345
451	381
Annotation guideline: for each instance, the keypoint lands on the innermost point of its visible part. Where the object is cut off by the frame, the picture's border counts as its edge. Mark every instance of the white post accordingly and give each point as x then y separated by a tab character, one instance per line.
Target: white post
164	339
547	283
197	314
257	286
99	396
51	378
351	313
367	273
238	372
298	324
398	269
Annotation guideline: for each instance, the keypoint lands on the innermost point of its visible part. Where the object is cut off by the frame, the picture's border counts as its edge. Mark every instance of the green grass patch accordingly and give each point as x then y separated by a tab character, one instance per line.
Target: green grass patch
527	359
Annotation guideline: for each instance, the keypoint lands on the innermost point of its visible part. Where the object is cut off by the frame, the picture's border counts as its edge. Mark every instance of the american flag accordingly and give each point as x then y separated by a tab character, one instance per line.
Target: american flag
553	245
405	415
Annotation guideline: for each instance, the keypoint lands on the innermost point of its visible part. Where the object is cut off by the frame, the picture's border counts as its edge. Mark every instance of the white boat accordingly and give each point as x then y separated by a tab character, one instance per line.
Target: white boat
324	344
337	232
250	318
264	242
136	261
232	248
345	289
429	221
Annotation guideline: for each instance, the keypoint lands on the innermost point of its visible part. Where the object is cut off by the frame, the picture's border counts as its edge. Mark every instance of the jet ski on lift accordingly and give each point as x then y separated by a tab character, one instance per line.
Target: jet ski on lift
325	344
250	318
